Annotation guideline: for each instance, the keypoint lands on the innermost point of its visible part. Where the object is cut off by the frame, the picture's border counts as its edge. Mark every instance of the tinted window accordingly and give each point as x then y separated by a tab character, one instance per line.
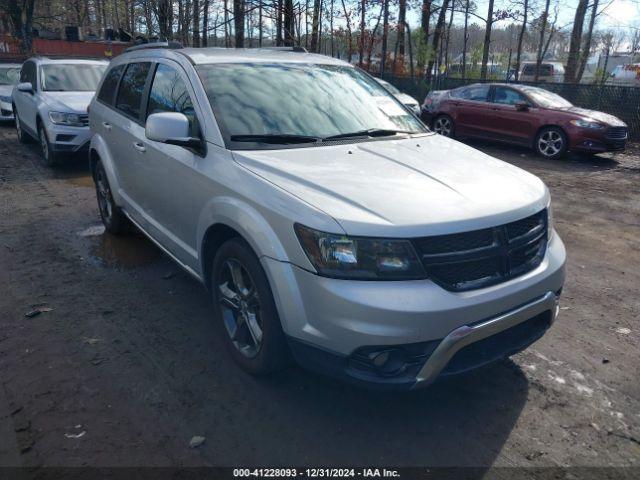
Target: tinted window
28	74
300	99
169	94
131	88
477	93
508	96
62	77
528	69
108	89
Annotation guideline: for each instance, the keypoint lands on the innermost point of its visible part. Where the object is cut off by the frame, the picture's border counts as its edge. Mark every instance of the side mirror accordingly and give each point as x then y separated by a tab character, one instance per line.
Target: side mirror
171	128
25	87
522	106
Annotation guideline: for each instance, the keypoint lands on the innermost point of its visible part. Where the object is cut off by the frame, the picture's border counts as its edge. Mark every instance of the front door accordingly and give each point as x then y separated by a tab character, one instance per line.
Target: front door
506	121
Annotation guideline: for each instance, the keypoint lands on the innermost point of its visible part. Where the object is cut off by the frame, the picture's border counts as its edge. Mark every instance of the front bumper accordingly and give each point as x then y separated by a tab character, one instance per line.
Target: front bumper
339	327
68	139
590	141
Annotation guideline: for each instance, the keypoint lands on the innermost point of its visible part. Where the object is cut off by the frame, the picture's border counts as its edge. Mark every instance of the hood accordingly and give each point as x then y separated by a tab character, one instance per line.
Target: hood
596	116
407	99
425	185
75	102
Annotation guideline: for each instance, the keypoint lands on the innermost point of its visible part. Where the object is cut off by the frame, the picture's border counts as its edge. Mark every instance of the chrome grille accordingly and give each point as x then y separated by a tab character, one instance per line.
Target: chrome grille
85	120
616	133
476	259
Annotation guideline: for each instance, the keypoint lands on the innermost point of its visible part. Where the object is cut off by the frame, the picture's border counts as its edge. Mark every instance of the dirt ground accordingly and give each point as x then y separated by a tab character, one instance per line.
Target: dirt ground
126	368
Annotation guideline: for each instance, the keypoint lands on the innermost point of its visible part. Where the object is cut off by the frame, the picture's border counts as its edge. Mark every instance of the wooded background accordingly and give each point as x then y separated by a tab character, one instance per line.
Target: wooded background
375	34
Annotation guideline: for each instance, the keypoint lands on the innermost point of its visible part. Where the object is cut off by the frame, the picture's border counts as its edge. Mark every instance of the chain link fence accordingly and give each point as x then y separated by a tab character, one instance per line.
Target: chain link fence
621	101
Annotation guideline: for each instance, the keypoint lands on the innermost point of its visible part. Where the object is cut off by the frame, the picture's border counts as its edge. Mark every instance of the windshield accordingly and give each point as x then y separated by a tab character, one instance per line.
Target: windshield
9	76
71	77
309	100
545	98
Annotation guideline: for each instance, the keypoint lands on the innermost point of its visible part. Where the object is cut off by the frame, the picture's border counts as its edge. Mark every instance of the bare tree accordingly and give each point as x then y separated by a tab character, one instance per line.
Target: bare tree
487	41
523	30
586	49
20	14
238	22
571	72
437	34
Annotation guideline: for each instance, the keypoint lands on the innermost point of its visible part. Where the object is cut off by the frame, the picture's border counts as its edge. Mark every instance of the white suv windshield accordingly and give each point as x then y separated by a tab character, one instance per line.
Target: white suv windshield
9	76
305	100
71	77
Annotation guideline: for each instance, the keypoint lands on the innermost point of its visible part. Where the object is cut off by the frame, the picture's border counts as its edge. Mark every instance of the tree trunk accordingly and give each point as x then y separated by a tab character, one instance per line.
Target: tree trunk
437	34
363	10
402	16
570	73
289	34
238	22
385	36
425	19
523	30
21	18
205	24
314	26
226	23
586	50
196	23
543	28
260	23
279	22
446	51
349	32
487	41
465	40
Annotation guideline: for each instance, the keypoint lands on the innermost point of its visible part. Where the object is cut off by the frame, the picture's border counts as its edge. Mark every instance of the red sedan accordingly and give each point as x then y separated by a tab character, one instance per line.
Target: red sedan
523	115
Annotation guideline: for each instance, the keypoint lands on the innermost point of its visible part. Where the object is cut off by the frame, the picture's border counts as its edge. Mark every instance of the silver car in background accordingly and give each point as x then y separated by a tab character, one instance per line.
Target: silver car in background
327	222
9	76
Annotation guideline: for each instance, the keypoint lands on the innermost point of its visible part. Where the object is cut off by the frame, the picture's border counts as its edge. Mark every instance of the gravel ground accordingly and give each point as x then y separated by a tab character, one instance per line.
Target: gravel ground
126	368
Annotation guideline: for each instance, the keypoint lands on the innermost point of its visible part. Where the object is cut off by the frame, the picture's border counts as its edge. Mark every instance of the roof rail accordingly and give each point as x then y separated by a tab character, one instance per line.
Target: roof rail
295	48
143	46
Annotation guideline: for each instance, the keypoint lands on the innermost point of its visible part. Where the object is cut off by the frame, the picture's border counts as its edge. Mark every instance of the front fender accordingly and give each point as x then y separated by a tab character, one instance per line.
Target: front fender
246	220
99	146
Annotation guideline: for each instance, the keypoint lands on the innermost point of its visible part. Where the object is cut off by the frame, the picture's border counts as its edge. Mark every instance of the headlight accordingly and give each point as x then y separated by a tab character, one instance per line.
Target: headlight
5	99
588	124
62	118
362	258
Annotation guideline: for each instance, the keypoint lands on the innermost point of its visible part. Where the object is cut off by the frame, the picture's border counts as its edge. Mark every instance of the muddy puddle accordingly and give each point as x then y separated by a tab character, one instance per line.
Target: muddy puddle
79	181
129	251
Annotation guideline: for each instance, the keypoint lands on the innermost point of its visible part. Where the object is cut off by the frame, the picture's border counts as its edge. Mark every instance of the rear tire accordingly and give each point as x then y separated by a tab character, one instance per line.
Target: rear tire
551	142
115	222
23	137
49	157
245	311
443	125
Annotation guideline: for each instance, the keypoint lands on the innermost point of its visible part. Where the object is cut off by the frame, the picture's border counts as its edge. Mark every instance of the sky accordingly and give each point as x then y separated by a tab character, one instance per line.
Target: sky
623	14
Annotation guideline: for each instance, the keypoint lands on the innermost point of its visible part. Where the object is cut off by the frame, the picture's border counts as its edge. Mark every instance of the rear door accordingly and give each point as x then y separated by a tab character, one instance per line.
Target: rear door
470	108
505	122
125	127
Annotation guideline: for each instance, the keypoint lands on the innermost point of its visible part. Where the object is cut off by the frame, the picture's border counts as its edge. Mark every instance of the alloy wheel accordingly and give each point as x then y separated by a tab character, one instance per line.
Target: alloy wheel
443	126
104	196
550	143
240	305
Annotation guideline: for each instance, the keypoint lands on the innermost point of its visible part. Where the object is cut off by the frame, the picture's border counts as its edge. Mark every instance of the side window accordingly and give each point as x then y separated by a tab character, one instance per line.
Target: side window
169	94
528	69
129	99
108	89
507	96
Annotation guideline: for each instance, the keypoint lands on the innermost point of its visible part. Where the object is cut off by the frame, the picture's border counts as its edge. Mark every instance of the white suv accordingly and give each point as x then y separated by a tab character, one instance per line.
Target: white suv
50	104
326	220
9	75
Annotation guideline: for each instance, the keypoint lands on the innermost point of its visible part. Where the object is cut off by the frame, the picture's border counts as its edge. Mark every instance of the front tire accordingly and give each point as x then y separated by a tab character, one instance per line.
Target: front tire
245	310
443	125
551	142
115	222
49	157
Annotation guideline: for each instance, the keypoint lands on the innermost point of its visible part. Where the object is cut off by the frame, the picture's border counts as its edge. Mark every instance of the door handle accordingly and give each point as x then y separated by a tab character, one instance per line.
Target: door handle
140	147
107	126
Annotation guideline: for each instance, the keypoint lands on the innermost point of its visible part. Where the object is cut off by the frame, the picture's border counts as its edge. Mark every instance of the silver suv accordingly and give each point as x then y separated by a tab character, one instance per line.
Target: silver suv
328	223
50	104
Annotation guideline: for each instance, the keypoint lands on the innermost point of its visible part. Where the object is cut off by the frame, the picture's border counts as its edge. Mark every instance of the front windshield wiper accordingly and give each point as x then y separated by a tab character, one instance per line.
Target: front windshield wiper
371	132
277	138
